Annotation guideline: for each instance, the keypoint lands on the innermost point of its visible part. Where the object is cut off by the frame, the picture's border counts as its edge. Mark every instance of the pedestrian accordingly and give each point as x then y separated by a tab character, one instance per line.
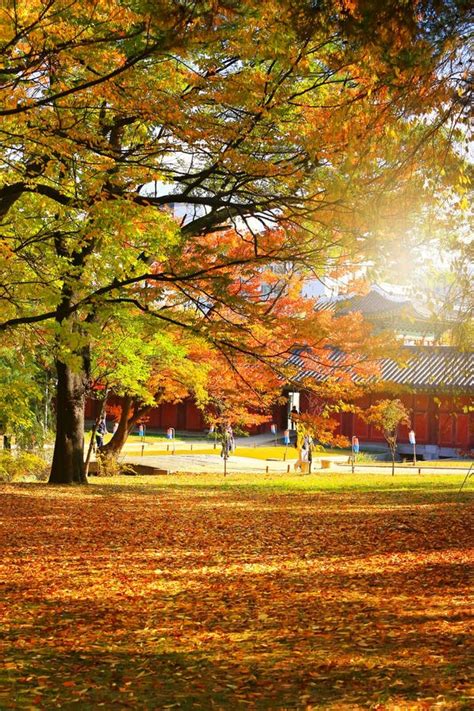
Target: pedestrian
227	442
100	432
294	414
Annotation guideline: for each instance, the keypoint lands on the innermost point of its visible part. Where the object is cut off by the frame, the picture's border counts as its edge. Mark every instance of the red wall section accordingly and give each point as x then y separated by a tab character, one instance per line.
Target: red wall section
403	433
169	415
462	431
446	424
421	427
194	417
376	435
360	427
436	419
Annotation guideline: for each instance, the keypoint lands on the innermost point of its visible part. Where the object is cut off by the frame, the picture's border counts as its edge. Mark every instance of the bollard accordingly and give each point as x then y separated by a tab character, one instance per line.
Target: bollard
143	448
191	448
266	470
288	469
167	448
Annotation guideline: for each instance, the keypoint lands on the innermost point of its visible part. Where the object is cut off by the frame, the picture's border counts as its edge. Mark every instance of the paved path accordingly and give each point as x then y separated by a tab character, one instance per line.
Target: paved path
188	445
214	463
206	463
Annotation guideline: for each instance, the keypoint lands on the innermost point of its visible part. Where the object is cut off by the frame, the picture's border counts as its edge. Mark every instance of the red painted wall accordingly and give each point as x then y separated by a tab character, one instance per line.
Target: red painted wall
441	421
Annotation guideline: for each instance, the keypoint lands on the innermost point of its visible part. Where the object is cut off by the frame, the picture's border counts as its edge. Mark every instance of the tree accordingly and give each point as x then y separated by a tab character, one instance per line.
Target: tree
288	133
387	416
144	366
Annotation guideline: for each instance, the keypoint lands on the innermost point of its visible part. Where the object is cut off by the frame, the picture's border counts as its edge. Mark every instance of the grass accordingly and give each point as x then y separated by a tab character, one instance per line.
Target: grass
321	481
327	591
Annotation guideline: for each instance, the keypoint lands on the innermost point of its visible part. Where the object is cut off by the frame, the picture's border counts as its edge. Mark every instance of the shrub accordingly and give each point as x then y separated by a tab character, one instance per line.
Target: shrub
15	466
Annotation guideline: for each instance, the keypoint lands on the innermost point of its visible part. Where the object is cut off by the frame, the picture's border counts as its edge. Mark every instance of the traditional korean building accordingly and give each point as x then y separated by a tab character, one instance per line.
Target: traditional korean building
435	382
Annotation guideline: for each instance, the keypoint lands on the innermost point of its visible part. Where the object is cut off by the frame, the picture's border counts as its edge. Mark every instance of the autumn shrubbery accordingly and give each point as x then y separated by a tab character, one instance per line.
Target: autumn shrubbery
13	467
111	466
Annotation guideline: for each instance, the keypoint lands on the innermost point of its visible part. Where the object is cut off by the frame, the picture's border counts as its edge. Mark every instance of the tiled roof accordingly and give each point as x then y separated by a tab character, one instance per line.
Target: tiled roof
423	368
376	304
432	367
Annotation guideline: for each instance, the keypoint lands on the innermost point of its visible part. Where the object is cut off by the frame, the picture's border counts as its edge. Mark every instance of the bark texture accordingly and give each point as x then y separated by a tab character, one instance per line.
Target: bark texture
68	457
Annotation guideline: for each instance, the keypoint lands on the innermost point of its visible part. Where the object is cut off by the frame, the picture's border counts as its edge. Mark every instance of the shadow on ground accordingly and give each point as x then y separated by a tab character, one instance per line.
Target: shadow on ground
222	599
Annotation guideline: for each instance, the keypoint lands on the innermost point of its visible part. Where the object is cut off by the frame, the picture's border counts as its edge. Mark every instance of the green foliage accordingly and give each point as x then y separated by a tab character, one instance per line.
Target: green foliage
147	360
22	397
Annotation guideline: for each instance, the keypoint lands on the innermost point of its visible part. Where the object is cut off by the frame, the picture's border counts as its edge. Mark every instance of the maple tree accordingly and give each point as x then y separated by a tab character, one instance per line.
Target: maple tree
144	365
288	134
387	416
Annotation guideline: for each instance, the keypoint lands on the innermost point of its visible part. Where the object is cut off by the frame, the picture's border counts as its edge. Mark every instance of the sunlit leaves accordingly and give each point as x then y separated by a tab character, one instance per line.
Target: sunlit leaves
279	593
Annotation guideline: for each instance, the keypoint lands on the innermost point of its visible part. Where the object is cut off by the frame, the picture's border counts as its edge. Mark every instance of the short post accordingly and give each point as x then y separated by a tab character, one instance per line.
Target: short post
468	476
273	430
355	452
171	434
143	449
288	469
412	440
286	441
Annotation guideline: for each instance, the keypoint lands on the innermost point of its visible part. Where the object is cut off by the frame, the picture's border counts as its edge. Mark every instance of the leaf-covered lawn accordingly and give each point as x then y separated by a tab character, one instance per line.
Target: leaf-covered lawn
167	594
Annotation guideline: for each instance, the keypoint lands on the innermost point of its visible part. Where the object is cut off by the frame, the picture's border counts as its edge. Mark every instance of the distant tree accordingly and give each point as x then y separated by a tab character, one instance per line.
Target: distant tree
387	416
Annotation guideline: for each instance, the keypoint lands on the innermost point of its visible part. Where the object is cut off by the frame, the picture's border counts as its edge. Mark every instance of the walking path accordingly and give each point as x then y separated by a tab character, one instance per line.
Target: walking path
215	463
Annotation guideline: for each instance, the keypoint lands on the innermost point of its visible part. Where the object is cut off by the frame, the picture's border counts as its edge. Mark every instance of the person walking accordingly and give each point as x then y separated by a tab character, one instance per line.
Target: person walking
100	432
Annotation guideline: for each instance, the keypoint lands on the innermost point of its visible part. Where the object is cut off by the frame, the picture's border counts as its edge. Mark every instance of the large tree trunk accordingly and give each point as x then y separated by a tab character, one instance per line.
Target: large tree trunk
129	415
68	457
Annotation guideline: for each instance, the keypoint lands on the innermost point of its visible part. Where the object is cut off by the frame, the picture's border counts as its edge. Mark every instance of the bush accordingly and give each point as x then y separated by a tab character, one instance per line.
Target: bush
107	465
13	467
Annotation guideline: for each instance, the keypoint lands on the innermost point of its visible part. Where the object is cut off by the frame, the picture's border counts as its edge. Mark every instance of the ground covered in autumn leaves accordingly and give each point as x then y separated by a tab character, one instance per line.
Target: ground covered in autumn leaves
184	594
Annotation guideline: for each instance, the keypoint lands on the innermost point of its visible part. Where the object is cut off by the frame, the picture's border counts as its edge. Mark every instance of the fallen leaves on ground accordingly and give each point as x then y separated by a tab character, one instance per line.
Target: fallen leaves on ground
195	597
